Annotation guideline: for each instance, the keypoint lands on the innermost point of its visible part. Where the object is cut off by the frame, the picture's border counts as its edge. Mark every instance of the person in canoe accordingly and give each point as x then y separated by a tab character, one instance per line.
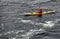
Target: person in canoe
39	11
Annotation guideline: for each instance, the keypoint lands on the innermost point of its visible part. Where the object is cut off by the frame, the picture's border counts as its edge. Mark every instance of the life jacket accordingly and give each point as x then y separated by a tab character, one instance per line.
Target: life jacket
39	11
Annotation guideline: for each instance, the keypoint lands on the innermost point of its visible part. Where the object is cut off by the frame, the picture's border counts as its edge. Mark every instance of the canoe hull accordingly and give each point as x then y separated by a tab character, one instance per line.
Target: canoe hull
35	13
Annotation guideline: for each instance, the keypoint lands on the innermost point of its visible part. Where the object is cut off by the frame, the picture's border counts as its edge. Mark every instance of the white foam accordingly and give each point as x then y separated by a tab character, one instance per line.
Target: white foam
14	38
19	18
49	24
34	31
19	31
25	21
9	32
15	32
23	35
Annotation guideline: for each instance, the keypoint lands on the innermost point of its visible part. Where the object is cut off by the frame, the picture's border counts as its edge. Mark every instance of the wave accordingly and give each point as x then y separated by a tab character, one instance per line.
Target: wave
47	26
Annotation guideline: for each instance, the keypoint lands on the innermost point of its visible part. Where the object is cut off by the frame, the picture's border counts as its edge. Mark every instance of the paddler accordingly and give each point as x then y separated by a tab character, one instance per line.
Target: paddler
39	11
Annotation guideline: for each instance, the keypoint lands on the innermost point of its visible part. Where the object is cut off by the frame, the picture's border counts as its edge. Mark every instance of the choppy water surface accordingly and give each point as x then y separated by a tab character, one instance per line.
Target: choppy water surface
15	26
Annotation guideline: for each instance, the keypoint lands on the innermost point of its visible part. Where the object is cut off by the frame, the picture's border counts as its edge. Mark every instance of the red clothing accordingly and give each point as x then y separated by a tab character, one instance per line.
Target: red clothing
39	11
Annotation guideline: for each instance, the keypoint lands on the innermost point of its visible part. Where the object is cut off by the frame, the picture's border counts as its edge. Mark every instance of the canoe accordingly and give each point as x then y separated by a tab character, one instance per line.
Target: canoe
43	13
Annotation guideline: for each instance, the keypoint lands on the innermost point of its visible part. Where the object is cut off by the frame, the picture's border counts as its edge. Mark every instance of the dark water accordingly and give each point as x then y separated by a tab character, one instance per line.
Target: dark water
15	26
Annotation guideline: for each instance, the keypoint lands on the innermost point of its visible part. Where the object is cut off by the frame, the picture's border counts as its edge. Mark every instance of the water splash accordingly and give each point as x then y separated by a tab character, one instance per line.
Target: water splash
25	21
10	32
49	24
33	32
30	33
46	24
